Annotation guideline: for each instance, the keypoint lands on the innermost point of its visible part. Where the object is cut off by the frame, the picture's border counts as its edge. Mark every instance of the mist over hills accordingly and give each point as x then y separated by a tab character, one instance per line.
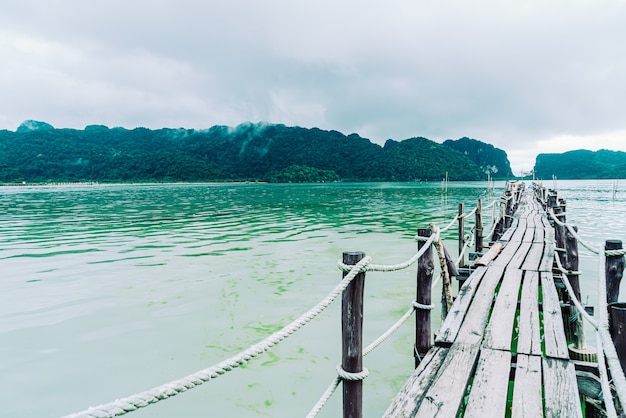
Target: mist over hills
37	153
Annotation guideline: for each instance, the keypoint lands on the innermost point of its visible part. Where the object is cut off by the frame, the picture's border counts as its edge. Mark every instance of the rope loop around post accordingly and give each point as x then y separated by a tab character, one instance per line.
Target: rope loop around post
352	376
421	306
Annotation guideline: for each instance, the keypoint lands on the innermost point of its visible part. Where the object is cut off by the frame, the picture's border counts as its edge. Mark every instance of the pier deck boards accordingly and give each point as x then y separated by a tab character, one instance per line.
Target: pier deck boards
502	346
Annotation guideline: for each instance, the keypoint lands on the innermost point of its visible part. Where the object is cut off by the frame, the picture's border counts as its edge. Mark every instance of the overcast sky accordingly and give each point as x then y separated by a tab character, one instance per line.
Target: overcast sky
526	76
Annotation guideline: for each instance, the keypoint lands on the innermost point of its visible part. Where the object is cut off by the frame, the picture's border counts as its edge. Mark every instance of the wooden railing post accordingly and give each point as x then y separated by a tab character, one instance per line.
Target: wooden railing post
576	328
425	269
352	338
614	271
508	213
478	231
559	234
461	232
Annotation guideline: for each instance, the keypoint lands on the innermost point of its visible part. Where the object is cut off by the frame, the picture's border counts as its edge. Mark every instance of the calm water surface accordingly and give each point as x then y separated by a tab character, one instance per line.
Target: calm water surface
111	290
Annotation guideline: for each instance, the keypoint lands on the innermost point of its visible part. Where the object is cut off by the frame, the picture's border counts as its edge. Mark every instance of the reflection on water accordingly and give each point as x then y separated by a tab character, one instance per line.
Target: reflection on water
111	290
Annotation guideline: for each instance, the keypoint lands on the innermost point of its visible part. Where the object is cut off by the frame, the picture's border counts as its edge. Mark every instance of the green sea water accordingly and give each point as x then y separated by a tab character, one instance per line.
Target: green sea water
110	290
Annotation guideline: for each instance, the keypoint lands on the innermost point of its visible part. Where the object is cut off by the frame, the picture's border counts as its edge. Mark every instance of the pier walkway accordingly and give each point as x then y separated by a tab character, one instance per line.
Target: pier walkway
501	350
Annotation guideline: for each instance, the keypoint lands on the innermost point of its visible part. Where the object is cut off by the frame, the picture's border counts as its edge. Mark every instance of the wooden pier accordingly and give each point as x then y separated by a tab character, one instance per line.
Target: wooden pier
502	349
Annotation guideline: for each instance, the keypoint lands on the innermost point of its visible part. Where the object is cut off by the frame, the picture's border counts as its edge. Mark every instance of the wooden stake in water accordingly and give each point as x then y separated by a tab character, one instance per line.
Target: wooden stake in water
352	338
425	269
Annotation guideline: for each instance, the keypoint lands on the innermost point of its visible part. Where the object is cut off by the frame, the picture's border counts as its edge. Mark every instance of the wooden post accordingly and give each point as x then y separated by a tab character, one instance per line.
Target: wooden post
352	338
508	212
499	229
614	271
425	269
617	321
559	234
571	264
478	231
461	233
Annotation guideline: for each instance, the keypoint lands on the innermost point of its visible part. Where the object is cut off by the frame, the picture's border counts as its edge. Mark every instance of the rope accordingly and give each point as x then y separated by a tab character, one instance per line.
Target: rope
140	400
418	305
352	376
491	204
619	380
335	383
468	243
572	295
394	267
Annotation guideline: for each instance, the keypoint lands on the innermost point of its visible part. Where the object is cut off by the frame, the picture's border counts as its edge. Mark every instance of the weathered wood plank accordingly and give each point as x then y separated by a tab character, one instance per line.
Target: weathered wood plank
534	257
540	233
529	338
547	259
529	233
518	258
527	394
561	397
553	332
489	255
519	229
505	255
443	398
450	328
473	327
405	404
489	389
500	329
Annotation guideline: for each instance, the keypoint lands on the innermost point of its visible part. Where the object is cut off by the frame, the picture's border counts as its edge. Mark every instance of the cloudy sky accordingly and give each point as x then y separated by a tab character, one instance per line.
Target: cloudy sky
526	76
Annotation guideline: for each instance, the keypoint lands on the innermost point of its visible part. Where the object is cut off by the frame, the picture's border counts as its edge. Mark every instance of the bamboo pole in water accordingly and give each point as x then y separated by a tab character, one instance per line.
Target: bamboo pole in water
352	338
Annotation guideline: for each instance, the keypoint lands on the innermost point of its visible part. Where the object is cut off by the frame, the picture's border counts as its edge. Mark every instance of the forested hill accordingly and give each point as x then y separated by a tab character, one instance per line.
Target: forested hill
37	152
490	159
582	164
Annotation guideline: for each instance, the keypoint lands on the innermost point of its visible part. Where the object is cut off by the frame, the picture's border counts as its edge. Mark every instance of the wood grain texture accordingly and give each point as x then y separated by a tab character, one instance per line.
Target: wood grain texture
527	391
490	386
554	334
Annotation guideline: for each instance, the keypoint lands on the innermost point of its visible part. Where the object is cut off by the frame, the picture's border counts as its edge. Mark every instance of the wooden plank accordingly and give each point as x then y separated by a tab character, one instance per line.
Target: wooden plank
539	229
553	332
450	328
410	396
473	327
490	386
547	259
534	257
500	329
520	230
527	393
505	255
518	258
529	233
443	398
489	255
529	337
561	397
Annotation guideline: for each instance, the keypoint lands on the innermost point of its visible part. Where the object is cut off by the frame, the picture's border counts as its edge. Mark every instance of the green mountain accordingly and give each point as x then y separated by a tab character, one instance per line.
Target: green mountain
37	152
581	164
491	160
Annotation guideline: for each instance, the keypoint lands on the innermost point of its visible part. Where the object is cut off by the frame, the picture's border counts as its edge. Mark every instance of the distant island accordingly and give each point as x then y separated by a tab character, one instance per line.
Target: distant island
39	153
582	164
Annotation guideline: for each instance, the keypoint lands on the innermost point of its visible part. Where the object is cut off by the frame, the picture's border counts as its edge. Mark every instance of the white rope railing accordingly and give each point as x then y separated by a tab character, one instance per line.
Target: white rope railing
165	391
140	400
335	383
605	343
